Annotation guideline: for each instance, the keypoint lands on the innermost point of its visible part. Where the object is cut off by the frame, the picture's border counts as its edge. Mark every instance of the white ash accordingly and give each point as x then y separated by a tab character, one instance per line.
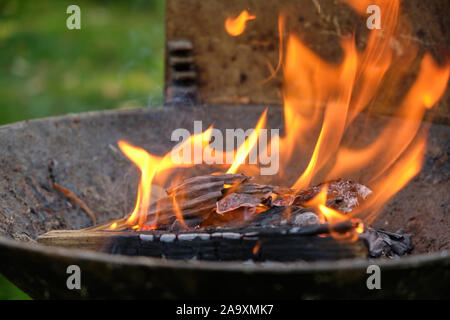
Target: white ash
362	190
187	237
306	219
217	235
146	237
204	236
168	237
347	194
231	235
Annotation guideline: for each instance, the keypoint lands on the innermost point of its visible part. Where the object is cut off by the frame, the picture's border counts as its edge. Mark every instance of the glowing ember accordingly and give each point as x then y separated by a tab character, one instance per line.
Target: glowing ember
256	247
236	26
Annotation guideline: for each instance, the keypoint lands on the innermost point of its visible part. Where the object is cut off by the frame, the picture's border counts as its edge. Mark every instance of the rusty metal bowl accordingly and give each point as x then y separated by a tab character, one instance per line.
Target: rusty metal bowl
80	153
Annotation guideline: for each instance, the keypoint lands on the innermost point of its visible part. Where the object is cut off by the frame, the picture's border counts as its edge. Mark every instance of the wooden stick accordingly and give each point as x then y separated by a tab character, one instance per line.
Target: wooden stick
77	200
279	244
224	178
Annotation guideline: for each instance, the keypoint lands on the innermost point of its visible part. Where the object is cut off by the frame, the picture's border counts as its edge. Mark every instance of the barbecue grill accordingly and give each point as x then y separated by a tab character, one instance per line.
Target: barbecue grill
207	79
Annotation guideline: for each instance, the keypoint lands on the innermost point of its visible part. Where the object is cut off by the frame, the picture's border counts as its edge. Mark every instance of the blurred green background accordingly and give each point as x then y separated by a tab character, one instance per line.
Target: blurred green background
114	61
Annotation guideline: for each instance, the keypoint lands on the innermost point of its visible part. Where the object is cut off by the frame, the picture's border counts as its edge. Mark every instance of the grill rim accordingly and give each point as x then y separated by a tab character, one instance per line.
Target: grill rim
282	267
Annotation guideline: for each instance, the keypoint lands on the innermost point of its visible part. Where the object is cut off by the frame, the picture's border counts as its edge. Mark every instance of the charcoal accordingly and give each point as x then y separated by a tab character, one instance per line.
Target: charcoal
236	200
343	195
305	219
382	243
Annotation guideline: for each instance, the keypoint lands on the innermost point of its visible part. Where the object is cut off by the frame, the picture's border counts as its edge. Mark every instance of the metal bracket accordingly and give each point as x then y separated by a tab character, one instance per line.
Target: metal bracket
182	83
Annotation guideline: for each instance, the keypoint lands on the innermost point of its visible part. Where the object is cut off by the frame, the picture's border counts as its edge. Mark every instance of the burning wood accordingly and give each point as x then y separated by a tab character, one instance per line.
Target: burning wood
235	201
211	198
277	244
389	244
228	216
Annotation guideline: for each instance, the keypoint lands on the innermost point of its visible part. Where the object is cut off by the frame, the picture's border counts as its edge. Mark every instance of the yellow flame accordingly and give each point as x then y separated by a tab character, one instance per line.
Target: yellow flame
281	24
398	135
335	114
333	217
149	166
178	212
315	90
321	101
406	168
236	26
249	143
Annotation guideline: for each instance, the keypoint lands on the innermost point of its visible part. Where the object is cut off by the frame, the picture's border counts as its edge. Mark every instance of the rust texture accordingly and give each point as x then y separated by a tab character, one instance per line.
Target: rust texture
232	70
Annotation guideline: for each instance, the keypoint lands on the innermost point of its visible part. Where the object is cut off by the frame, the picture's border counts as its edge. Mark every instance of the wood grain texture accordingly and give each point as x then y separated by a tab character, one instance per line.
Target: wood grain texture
221	245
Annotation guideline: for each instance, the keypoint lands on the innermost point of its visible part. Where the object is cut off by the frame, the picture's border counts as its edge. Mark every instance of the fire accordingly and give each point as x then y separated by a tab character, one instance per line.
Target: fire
396	137
315	90
281	23
236	26
324	99
149	166
336	103
178	213
398	176
333	217
256	247
152	166
248	145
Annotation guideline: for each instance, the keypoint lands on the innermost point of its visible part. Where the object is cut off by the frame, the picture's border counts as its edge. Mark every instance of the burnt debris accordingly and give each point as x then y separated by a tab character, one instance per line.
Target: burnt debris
229	217
387	244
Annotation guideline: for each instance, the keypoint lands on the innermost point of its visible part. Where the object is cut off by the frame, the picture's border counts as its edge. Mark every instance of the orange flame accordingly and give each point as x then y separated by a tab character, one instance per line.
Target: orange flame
315	89
398	176
336	110
333	217
323	99
178	213
281	23
257	247
149	165
393	141
236	26
248	144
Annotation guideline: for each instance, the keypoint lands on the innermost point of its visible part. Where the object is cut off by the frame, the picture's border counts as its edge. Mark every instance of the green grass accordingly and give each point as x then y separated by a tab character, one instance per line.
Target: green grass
8	291
114	61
